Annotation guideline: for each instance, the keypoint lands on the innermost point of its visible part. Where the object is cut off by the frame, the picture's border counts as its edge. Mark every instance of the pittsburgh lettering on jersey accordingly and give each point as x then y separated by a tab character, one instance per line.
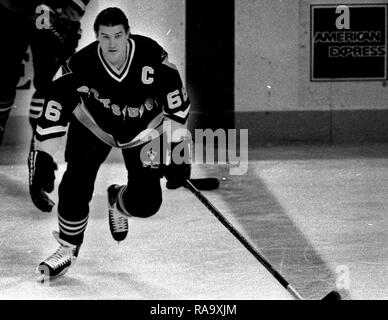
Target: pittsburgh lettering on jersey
132	112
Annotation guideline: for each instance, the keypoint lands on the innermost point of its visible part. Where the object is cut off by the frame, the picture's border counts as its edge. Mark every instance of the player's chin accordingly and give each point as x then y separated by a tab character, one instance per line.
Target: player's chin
112	55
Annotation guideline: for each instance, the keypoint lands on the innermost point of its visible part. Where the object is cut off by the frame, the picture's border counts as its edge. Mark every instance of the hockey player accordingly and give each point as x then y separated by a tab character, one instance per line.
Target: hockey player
52	29
119	91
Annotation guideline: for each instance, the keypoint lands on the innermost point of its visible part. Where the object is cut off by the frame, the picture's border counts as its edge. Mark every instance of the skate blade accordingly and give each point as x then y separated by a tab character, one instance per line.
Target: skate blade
43	279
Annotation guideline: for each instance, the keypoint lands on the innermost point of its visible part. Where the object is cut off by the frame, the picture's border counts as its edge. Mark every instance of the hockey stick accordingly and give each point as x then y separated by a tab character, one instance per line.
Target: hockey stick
199	183
333	295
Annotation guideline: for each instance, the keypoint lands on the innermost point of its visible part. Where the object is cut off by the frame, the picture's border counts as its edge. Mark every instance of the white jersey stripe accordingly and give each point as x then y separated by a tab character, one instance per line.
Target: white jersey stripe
36	108
34	115
56	129
110	69
181	114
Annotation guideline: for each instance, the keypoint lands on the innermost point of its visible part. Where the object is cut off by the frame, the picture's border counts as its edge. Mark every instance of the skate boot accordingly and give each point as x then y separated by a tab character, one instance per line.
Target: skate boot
60	261
118	222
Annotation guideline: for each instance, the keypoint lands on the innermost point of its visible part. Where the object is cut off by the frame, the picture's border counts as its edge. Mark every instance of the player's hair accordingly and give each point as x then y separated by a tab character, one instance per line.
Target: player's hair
111	17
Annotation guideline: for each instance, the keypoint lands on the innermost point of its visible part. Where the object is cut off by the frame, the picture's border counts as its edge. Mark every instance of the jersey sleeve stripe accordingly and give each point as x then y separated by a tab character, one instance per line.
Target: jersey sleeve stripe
47	137
177	119
34	114
181	114
35	109
56	129
37	102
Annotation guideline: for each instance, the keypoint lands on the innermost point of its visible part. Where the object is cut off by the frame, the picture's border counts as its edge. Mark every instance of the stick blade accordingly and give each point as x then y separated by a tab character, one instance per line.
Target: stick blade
206	183
332	296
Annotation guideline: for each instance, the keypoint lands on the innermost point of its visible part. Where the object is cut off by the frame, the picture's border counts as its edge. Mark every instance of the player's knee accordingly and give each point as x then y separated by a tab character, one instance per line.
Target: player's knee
144	209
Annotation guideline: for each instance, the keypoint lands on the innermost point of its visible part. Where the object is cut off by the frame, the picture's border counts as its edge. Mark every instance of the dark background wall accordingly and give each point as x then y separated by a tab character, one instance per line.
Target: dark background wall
210	62
246	66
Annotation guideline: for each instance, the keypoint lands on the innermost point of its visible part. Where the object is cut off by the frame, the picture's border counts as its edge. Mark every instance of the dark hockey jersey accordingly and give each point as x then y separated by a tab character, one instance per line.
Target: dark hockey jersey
121	108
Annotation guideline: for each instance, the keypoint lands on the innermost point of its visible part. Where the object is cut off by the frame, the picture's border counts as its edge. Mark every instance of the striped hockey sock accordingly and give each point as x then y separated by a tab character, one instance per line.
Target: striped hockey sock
72	231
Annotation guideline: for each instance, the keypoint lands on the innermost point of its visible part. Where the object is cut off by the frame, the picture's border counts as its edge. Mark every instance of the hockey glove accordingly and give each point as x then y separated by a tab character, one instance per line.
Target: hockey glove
179	168
41	168
67	31
61	29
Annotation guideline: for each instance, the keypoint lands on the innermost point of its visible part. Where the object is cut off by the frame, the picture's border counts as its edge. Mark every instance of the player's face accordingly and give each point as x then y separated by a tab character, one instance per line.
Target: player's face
113	42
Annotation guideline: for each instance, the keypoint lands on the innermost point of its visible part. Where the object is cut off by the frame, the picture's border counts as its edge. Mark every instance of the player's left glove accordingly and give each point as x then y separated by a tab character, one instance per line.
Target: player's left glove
61	31
41	168
67	31
179	168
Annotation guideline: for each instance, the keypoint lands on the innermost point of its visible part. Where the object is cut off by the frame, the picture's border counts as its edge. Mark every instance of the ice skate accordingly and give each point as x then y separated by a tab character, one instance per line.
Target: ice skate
60	261
118	222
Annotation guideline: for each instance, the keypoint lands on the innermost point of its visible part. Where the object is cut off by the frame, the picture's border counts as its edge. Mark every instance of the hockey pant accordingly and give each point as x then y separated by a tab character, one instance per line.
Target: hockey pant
141	197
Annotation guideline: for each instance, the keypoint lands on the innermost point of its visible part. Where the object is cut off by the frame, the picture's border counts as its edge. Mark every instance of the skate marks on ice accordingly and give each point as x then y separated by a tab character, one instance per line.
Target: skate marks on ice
257	213
336	197
177	254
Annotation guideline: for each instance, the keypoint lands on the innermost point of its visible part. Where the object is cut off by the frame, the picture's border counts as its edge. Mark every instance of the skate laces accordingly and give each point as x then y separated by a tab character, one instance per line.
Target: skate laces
63	255
60	257
119	222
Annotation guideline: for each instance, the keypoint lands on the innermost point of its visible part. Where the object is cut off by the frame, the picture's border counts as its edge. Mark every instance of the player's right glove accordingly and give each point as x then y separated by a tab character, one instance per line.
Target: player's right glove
41	168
